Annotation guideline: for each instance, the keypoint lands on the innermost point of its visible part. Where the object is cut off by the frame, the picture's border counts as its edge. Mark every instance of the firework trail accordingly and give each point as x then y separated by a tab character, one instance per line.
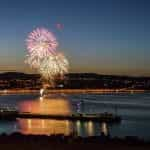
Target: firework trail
43	56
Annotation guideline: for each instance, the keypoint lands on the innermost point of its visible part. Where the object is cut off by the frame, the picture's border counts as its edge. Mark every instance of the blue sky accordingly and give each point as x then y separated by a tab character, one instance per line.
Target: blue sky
102	36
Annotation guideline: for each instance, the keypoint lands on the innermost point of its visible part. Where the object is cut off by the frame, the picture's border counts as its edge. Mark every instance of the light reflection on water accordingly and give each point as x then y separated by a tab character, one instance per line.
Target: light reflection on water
104	128
136	118
46	126
55	106
46	106
90	128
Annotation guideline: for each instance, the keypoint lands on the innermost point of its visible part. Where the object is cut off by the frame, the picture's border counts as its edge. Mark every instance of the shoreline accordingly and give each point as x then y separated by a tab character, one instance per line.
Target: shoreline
73	91
17	141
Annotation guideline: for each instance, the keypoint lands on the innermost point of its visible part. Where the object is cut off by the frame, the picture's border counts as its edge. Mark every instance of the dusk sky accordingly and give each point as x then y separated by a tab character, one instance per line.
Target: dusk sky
101	36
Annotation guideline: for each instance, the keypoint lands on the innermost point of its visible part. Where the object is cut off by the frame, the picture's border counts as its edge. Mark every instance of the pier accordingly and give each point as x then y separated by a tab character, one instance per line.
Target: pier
12	114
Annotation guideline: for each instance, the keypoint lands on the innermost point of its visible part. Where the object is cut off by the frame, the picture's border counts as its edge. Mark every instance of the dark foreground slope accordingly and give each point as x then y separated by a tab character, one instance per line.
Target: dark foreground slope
21	142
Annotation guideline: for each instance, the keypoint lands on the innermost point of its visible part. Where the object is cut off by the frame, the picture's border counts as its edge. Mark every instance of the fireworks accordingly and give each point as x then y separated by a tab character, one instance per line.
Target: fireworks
43	56
41	43
53	65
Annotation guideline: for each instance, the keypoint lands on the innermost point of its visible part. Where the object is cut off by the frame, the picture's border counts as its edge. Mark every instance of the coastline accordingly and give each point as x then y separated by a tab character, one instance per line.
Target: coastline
73	91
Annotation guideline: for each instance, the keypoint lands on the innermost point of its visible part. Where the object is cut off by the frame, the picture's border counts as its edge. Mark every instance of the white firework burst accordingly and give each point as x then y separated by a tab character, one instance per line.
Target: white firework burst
43	56
54	65
41	43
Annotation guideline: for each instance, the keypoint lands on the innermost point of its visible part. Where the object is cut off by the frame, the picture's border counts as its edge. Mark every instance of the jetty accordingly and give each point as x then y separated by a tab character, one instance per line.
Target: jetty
12	114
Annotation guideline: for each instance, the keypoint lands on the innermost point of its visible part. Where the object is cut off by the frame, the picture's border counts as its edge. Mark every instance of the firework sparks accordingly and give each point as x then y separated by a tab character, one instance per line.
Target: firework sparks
41	43
53	65
43	56
33	61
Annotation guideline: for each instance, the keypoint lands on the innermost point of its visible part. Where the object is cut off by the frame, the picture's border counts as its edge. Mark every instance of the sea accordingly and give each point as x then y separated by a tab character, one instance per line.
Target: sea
134	109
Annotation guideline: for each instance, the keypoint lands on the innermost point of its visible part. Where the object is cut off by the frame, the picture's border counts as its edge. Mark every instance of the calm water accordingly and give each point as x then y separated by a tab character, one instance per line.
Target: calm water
134	108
